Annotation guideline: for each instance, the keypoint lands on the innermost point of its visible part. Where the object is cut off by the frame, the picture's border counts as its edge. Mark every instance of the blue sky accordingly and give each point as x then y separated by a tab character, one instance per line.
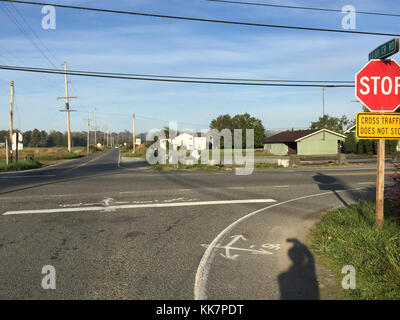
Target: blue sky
119	43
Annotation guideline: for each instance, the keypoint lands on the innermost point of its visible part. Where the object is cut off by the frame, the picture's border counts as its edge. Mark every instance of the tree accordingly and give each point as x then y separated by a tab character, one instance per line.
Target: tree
35	139
331	123
27	137
240	121
222	122
245	121
4	134
350	144
391	146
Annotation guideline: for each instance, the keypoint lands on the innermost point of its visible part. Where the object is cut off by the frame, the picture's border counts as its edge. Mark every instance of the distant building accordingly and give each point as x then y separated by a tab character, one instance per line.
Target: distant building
2	145
350	129
305	142
186	141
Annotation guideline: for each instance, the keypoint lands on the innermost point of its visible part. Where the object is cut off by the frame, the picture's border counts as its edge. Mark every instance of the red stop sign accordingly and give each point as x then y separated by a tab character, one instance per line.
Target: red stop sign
378	85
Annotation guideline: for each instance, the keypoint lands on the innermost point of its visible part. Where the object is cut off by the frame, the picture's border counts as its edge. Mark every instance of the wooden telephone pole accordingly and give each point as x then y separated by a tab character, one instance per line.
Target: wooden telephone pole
323	110
105	132
95	129
88	136
11	117
67	109
133	135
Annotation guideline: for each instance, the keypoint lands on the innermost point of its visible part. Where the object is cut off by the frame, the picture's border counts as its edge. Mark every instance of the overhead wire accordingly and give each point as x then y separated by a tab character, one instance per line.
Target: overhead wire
227	22
302	7
105	75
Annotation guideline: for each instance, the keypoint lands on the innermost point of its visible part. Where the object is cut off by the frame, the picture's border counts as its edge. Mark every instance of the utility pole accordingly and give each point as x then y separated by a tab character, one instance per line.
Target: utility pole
88	136
7	152
105	132
108	137
133	136
95	129
67	109
11	117
323	110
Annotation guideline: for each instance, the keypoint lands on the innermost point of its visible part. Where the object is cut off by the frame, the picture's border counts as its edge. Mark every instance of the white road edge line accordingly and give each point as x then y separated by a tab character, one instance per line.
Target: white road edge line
137	206
203	269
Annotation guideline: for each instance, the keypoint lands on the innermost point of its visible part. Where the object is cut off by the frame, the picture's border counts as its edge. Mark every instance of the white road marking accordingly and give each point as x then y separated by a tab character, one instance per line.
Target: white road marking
137	206
367	182
281	186
229	247
29	176
203	269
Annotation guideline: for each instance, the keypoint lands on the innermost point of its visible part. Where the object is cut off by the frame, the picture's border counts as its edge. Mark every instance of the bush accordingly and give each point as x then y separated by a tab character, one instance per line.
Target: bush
20	165
350	144
93	148
390	146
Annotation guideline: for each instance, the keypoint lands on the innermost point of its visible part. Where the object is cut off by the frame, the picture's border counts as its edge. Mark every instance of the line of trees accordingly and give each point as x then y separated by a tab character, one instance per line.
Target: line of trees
352	145
42	139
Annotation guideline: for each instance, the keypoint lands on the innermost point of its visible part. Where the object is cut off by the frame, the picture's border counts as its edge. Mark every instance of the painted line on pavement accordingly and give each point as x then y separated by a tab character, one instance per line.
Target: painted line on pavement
200	283
138	206
103	154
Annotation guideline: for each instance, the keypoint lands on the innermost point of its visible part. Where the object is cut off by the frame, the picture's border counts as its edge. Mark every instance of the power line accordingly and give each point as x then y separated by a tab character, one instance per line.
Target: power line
204	19
34	33
199	78
302	8
22	29
102	75
141	117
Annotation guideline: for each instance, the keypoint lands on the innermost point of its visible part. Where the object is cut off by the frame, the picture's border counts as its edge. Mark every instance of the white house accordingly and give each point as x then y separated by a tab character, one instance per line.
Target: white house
186	141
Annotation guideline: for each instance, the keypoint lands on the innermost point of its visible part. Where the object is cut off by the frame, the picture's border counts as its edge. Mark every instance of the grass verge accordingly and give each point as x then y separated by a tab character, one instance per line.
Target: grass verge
41	157
200	167
133	155
204	167
266	165
20	165
348	236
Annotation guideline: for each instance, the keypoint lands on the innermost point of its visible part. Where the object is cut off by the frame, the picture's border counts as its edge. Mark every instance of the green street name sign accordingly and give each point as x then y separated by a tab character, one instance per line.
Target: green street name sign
385	50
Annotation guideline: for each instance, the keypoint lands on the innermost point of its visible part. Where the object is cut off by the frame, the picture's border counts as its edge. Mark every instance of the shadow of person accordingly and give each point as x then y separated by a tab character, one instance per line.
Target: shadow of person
299	282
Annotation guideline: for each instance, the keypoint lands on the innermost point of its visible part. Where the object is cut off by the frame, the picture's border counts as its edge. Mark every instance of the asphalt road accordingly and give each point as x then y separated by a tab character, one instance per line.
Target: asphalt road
125	231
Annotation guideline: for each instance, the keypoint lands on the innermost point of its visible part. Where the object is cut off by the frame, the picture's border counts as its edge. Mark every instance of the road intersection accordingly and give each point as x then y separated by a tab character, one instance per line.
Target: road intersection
125	231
